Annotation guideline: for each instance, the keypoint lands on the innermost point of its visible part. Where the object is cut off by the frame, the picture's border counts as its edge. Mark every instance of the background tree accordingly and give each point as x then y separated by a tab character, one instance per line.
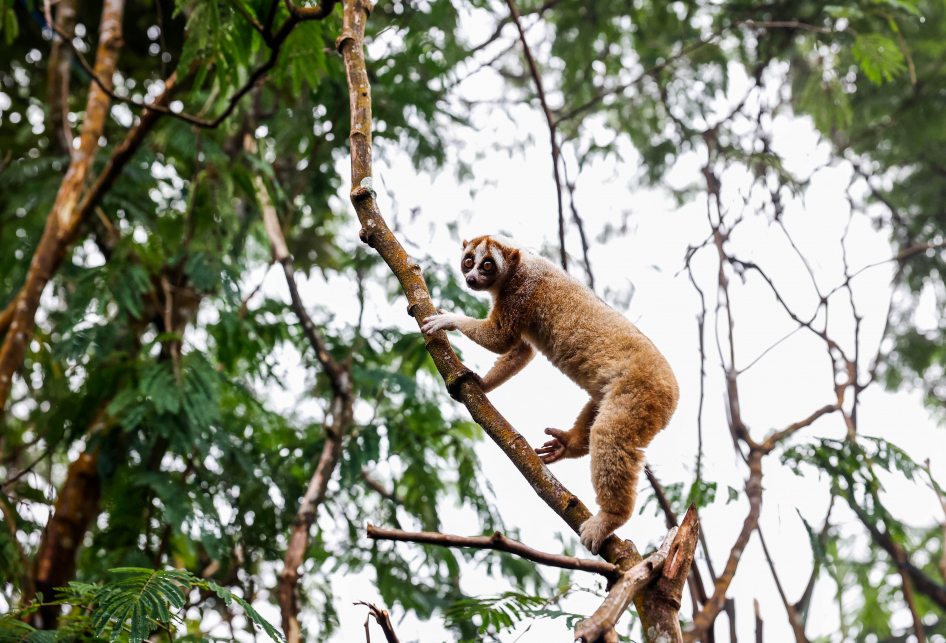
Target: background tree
139	428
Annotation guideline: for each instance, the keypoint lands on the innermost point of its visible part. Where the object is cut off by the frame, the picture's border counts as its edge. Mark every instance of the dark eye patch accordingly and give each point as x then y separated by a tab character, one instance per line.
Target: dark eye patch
468	262
488	264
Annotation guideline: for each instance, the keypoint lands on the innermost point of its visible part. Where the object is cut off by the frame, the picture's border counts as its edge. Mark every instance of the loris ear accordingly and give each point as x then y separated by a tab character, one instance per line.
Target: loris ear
465	243
515	256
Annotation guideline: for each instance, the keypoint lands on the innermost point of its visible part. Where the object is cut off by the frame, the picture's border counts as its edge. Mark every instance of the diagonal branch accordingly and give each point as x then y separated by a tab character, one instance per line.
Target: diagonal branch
922	582
797	626
62	227
498	542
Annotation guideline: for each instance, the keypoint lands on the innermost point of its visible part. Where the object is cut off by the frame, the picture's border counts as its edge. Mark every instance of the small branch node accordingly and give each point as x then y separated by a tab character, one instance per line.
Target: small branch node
361	193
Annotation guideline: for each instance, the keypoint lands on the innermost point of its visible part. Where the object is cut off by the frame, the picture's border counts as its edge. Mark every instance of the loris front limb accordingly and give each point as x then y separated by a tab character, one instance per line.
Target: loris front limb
485	332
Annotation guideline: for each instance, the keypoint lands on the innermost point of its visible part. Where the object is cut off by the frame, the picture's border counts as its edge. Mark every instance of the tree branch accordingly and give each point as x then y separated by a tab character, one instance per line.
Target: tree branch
382	618
498	542
923	583
273	40
342	414
63	224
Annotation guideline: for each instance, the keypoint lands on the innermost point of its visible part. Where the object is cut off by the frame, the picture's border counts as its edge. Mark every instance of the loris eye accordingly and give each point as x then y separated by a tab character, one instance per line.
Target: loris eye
487	265
468	263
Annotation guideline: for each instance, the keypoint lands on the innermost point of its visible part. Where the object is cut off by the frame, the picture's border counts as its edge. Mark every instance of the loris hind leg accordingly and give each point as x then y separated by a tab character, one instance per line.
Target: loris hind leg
570	444
627	421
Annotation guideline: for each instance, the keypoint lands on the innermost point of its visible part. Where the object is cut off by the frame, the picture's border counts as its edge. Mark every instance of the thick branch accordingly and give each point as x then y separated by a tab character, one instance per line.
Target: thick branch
497	542
663	603
62	227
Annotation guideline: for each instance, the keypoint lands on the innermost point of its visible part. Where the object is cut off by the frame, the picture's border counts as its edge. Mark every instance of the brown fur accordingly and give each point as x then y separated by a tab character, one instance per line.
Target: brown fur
633	391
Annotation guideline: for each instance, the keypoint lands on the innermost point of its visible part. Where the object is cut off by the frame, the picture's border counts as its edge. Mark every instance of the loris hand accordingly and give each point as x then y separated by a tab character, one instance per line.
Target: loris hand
554	449
443	321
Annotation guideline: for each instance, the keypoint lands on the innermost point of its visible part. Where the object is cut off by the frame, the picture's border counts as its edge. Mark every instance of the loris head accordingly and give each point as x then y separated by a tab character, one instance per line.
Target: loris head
487	262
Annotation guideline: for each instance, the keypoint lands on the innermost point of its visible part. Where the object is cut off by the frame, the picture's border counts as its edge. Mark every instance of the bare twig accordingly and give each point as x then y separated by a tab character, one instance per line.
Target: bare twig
497	542
797	627
550	119
274	40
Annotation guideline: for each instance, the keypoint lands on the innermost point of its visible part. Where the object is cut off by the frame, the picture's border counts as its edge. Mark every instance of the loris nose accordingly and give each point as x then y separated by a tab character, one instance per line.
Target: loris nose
470	280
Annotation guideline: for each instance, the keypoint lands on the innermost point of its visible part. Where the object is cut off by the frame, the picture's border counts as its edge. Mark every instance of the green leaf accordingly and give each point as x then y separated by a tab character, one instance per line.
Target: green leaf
878	56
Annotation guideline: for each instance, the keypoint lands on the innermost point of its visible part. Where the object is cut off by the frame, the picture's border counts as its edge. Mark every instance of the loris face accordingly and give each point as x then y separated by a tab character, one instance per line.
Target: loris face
486	263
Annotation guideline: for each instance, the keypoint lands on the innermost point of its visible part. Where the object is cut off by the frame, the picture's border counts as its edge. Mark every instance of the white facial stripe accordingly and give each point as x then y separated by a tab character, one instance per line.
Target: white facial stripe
479	253
499	259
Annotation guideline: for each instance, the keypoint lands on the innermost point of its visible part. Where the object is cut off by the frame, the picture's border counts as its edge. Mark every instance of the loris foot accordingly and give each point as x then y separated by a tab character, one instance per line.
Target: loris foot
553	450
596	530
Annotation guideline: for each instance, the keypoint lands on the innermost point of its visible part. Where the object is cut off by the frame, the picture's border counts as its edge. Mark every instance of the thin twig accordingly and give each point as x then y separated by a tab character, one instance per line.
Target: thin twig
793	619
497	542
550	119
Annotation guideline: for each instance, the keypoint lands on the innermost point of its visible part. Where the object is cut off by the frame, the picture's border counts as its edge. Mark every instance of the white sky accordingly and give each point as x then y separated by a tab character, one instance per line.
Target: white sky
517	196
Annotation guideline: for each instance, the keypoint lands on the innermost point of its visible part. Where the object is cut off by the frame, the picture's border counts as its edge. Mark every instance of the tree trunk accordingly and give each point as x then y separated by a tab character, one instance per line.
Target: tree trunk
76	507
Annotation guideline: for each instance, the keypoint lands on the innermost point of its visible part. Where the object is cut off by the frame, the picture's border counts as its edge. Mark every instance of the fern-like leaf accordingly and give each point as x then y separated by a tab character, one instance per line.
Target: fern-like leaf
229	597
141	599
